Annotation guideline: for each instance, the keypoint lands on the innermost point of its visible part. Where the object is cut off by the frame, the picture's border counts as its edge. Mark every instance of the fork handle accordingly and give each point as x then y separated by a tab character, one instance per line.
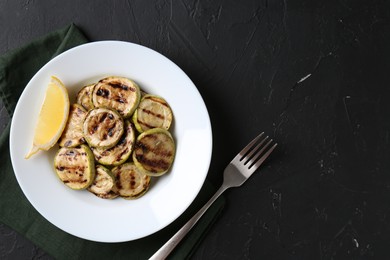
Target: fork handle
167	248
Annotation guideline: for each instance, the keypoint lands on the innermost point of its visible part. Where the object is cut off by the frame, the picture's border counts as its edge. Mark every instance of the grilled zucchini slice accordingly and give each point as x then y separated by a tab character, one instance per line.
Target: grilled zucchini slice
84	97
152	112
103	186
119	93
75	166
119	153
130	181
154	151
103	127
73	132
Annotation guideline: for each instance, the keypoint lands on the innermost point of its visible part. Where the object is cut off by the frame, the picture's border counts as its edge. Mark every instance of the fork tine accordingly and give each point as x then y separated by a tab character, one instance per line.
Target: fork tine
246	149
255	166
251	161
249	156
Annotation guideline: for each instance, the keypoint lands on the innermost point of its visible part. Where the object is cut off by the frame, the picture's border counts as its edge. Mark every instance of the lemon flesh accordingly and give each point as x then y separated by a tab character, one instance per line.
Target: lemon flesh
52	117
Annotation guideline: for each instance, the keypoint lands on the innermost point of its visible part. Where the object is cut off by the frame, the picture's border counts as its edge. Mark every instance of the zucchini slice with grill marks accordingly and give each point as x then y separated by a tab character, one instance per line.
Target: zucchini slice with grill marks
130	181
119	93
84	97
152	112
119	153
103	127
154	151
73	132
75	166
103	186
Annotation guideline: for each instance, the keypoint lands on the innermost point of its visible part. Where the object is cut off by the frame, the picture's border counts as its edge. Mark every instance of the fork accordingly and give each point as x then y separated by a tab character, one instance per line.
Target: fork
235	174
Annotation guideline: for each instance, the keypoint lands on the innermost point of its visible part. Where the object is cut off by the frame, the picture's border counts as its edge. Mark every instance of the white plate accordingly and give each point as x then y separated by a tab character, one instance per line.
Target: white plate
80	213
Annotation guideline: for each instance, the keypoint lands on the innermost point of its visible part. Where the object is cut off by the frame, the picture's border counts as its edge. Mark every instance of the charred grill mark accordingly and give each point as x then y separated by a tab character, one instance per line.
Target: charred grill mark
145	146
79	112
92	129
106	195
68	143
106	152
144	123
75	169
120	86
75	181
103	92
112	193
111	130
70	153
150	112
103	117
119	157
118	181
162	102
154	165
120	100
132	180
122	140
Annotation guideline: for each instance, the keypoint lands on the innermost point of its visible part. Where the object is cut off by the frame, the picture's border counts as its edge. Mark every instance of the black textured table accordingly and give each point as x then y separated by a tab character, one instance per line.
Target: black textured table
314	75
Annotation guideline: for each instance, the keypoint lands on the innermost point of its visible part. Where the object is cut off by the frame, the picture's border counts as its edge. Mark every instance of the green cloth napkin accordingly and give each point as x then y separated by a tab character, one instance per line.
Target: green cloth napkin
16	69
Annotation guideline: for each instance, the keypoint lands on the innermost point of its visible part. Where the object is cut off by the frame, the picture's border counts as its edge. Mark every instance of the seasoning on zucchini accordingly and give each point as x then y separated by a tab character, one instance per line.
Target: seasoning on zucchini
154	151
75	166
130	181
72	135
119	153
119	93
152	112
84	97
103	186
103	127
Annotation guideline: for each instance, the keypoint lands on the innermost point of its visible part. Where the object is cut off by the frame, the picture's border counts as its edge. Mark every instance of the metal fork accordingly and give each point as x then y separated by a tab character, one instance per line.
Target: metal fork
236	173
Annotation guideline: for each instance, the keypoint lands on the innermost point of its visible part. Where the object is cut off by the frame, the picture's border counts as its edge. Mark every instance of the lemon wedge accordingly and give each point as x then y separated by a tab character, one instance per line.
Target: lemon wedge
52	117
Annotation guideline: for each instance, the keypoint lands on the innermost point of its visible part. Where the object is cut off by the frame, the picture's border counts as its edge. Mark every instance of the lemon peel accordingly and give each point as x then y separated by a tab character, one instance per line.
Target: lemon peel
52	117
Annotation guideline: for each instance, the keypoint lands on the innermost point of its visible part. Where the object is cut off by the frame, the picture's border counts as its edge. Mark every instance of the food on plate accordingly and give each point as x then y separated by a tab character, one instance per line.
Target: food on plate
52	117
111	141
75	166
84	97
103	186
131	182
119	153
154	151
119	93
103	127
152	112
72	135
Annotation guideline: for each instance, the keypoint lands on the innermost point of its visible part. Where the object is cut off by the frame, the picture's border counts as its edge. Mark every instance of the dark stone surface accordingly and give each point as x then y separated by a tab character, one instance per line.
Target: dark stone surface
312	74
